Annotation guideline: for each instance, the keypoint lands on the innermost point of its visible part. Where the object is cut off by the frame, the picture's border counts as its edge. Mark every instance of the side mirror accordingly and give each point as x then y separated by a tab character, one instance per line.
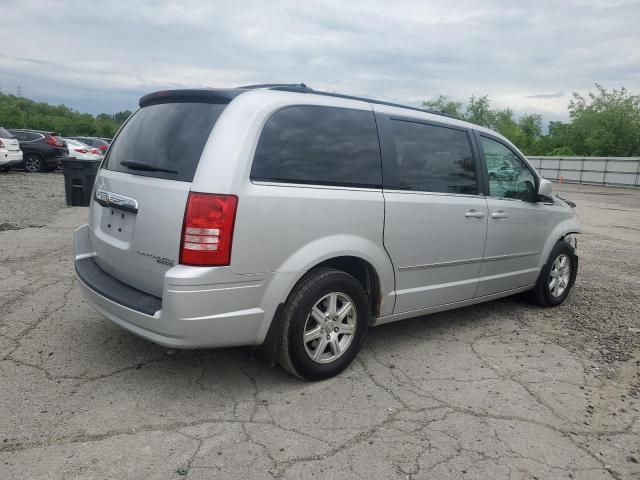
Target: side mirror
545	190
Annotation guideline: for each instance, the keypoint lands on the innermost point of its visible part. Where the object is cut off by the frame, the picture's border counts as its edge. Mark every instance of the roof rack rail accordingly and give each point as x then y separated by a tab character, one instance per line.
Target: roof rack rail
302	88
273	85
211	95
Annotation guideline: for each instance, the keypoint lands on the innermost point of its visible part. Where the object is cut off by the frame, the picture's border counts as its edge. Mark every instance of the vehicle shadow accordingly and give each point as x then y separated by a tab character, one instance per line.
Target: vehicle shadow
131	352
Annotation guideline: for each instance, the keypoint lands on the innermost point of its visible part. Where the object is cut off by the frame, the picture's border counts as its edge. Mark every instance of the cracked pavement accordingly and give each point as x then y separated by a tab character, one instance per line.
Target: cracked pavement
503	390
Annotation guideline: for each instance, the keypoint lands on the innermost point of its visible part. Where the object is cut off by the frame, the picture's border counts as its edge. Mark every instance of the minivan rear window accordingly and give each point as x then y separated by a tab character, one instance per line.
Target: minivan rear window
319	145
164	140
4	133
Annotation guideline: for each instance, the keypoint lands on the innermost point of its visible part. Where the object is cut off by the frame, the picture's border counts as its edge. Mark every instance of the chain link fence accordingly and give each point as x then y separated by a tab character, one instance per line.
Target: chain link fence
614	171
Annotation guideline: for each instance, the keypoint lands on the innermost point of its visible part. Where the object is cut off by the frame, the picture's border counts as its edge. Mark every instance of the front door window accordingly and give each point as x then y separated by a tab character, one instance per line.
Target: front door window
508	175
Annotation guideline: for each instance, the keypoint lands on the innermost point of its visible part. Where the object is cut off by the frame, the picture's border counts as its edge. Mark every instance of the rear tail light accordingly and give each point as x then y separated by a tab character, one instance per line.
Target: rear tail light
52	141
81	150
103	147
207	232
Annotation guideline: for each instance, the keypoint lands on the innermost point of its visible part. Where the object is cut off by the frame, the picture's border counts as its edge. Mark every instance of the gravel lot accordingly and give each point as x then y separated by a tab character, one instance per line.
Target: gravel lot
499	390
29	200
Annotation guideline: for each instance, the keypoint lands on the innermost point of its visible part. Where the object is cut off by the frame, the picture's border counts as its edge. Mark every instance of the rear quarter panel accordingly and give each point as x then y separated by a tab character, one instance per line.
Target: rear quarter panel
291	229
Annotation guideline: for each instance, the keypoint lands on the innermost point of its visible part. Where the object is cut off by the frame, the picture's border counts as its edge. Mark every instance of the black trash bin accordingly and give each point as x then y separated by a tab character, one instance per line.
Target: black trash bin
79	176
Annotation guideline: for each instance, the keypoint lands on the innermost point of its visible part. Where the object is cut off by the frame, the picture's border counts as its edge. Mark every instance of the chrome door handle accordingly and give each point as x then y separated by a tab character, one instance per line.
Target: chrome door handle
499	214
474	214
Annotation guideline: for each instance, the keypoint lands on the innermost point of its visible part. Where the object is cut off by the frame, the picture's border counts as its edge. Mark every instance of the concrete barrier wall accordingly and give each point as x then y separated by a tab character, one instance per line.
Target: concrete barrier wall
615	171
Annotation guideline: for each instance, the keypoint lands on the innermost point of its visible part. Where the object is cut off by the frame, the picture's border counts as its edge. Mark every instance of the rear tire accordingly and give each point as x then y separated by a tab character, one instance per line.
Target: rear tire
557	276
324	322
33	163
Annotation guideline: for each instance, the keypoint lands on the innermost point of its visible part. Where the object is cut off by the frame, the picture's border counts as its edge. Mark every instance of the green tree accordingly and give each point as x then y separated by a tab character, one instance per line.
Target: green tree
19	112
479	112
530	127
505	124
445	105
602	123
605	123
120	117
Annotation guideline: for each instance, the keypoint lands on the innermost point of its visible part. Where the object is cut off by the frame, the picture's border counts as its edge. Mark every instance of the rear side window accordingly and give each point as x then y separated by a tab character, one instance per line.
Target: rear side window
5	133
32	137
164	140
432	158
319	145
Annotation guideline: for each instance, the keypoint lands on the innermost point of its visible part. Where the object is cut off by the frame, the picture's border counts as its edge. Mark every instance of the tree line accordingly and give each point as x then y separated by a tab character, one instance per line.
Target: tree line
20	112
604	123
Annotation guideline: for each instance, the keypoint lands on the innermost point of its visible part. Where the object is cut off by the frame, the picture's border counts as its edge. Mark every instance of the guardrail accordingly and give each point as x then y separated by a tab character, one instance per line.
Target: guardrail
614	171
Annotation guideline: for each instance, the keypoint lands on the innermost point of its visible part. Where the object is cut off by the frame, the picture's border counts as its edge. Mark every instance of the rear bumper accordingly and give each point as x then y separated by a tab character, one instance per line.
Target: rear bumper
91	275
235	311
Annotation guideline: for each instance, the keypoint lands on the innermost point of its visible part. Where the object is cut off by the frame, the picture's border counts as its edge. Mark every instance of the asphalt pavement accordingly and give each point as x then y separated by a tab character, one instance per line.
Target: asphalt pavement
503	390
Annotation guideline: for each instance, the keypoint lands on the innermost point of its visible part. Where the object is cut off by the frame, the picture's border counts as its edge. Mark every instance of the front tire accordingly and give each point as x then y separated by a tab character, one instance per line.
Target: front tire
324	323
557	277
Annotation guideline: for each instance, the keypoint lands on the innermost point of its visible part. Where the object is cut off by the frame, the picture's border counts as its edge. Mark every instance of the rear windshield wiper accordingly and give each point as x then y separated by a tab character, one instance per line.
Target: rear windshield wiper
144	166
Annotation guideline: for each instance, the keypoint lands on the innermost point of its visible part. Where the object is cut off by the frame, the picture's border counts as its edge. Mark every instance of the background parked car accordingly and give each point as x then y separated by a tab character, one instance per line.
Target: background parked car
10	153
41	150
499	169
82	151
98	143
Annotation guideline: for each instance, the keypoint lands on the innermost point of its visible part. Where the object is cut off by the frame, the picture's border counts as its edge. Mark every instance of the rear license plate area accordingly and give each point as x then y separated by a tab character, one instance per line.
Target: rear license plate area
117	223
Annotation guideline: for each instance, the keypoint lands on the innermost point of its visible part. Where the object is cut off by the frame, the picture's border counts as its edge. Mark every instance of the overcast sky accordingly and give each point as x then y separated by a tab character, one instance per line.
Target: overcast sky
528	55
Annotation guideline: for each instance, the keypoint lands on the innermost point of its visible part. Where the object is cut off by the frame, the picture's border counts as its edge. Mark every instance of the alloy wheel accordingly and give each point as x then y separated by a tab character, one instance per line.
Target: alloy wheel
330	327
32	164
559	275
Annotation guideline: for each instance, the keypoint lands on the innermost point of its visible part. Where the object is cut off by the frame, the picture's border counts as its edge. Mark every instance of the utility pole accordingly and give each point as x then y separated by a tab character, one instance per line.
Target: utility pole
19	91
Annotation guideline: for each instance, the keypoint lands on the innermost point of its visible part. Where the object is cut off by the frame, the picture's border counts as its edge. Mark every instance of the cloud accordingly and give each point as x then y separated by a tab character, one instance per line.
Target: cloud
546	95
405	51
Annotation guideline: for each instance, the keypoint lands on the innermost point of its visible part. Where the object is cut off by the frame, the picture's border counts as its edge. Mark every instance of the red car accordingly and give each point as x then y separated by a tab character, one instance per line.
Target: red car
93	142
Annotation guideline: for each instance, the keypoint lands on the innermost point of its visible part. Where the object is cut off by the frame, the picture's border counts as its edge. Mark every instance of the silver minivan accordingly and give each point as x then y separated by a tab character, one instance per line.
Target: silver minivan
293	219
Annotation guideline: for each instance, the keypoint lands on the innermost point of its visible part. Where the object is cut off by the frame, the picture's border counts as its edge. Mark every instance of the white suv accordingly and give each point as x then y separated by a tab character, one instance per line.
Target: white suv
295	219
10	153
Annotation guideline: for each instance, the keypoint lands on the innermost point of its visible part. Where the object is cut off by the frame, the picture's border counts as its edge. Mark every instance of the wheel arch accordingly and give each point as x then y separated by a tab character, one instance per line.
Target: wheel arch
361	270
569	226
365	260
347	252
541	294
